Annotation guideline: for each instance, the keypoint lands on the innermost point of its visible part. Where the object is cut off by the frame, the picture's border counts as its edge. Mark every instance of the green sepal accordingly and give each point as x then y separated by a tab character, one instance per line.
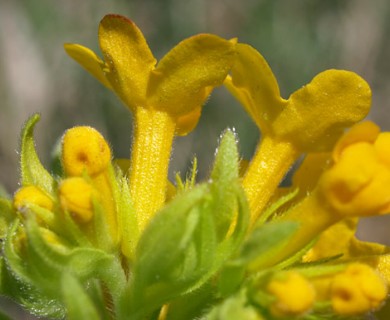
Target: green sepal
31	168
56	167
264	242
193	304
233	308
71	231
101	229
45	216
230	279
127	221
224	173
77	302
103	235
26	294
190	179
165	252
47	263
7	215
16	263
275	207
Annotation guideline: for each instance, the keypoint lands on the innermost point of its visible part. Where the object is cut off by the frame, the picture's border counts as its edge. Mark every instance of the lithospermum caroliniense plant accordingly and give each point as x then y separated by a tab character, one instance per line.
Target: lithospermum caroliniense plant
109	238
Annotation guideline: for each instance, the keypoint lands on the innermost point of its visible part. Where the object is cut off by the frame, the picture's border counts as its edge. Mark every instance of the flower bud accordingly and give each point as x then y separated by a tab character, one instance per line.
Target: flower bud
359	289
75	196
357	184
84	150
294	295
31	195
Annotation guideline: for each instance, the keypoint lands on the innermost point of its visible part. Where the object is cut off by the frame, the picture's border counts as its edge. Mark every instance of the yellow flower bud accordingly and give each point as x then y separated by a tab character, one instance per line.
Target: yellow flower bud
359	289
75	196
84	149
53	239
357	183
294	295
32	195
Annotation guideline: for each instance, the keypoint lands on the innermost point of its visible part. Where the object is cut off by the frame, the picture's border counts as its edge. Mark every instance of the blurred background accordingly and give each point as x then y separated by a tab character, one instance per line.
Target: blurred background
298	38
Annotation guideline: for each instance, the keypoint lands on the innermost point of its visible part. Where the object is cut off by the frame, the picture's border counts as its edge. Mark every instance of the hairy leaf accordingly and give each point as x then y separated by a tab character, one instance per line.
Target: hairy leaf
31	168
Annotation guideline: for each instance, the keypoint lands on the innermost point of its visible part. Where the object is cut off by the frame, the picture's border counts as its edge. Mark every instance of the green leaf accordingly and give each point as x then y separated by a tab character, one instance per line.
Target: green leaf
48	263
226	161
236	307
101	229
55	159
166	264
31	168
264	242
230	279
276	207
190	178
7	215
16	263
78	303
127	221
27	295
192	305
224	173
71	231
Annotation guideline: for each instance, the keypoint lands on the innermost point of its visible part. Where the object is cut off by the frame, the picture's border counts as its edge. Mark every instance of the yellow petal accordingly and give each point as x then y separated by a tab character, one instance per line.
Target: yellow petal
357	184
151	151
358	290
294	295
255	87
308	173
317	114
382	146
333	241
32	195
76	196
366	250
184	77
89	61
383	266
84	150
361	132
188	122
128	57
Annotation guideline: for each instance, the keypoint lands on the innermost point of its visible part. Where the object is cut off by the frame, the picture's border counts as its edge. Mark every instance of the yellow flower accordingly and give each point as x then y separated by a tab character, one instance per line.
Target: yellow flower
165	99
294	295
85	152
357	290
340	239
28	195
357	183
311	119
76	197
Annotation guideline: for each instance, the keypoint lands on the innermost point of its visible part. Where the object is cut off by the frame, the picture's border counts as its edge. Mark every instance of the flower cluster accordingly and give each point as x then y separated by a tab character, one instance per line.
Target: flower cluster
106	238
